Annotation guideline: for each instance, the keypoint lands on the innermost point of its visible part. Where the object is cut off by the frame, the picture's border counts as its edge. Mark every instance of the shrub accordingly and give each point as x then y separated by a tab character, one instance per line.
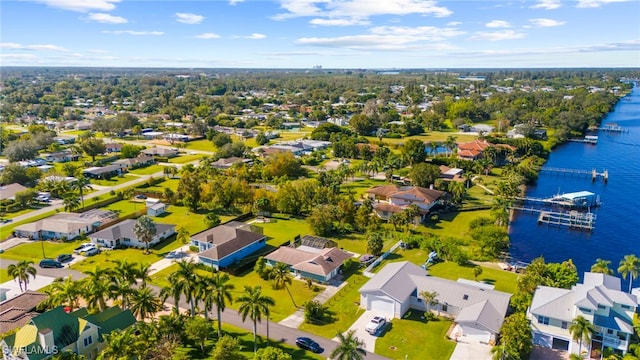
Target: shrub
194	248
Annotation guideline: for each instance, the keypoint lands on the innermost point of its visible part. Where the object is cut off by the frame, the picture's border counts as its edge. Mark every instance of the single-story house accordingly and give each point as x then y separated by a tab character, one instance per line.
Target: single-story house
156	209
113	147
226	244
311	263
122	234
475	307
57	331
67	225
8	192
226	163
448	173
61	156
19	310
391	199
136	162
160	151
104	172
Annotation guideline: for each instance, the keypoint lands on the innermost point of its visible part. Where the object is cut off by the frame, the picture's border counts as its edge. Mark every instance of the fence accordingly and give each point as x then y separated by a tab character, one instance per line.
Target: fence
367	272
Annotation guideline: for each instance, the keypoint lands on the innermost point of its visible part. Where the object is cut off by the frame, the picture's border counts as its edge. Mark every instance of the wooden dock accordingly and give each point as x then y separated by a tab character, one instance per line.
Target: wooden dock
613	128
573	219
595	174
593	140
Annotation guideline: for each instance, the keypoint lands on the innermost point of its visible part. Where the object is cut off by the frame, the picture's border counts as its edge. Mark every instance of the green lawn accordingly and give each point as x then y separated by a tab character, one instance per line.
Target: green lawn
477	196
7	229
12	215
283	305
183	159
4	275
204	145
358	188
344	307
168	183
106	258
117	180
280	230
125	207
431	136
413	338
33	250
147	170
454	224
183	217
503	280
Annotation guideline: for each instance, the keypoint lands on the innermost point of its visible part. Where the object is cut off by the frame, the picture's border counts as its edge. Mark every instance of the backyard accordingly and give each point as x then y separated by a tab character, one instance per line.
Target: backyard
116	180
38	250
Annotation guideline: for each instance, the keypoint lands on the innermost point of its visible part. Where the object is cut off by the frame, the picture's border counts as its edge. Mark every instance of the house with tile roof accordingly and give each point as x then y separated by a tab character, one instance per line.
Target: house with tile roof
56	331
476	308
227	244
391	199
599	299
19	310
318	264
474	150
122	235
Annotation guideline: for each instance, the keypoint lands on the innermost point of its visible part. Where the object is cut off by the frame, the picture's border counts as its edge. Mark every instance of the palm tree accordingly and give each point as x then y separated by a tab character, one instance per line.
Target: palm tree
119	344
602	266
350	347
97	288
142	273
124	271
581	330
456	189
450	144
21	272
145	303
630	265
281	276
145	230
429	298
70	201
66	292
184	281
253	304
218	291
81	184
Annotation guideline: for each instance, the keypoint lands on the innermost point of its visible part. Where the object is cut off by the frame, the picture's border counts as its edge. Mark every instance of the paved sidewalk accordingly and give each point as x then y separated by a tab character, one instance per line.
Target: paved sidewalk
5	245
165	263
296	319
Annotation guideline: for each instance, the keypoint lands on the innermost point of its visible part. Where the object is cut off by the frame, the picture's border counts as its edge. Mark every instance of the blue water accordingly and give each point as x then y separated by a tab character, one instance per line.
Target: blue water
617	227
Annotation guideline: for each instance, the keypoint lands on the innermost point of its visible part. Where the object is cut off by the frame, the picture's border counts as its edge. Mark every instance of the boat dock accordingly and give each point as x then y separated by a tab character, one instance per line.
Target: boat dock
613	128
595	174
575	200
572	219
589	139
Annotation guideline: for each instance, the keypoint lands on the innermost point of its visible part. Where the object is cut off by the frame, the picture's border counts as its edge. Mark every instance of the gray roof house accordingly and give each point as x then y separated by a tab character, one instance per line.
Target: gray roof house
477	309
122	234
9	191
308	262
67	225
599	299
227	244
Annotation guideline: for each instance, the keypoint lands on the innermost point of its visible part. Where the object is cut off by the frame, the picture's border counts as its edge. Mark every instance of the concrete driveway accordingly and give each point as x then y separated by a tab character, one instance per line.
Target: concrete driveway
468	348
360	325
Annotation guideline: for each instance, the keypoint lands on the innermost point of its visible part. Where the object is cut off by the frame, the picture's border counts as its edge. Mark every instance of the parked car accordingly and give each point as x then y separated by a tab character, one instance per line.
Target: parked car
308	344
84	247
376	324
64	258
141	196
50	263
92	251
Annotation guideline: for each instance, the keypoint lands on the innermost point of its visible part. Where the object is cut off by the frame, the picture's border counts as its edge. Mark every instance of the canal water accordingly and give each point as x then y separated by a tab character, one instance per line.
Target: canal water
617	225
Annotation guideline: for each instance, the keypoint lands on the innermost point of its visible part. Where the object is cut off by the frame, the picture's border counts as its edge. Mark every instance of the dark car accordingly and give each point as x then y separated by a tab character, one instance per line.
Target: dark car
308	344
64	258
50	263
141	196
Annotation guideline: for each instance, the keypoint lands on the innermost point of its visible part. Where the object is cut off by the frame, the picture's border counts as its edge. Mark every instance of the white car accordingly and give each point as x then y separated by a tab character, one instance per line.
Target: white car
375	325
92	251
84	247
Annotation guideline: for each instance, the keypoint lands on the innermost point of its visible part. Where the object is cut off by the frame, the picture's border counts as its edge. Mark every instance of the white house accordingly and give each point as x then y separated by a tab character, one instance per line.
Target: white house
66	225
476	308
122	234
599	299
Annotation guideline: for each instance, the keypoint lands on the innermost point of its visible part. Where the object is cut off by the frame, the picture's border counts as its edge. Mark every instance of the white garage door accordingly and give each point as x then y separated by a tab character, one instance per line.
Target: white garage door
477	334
382	306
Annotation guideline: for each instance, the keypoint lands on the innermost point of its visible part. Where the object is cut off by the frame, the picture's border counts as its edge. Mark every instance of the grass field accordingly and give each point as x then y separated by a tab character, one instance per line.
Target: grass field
183	217
503	280
414	338
4	275
117	180
358	187
183	159
454	224
167	183
148	170
33	250
204	145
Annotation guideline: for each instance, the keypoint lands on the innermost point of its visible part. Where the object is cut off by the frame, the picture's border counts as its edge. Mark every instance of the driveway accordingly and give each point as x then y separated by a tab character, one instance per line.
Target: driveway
469	348
359	326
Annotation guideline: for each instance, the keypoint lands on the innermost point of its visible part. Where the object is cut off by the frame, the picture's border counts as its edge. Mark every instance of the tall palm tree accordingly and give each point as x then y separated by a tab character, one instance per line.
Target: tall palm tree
581	330
70	201
456	189
124	271
281	276
602	266
145	303
218	292
429	298
142	274
145	230
80	184
630	265
119	345
96	288
254	305
350	347
21	272
66	292
184	281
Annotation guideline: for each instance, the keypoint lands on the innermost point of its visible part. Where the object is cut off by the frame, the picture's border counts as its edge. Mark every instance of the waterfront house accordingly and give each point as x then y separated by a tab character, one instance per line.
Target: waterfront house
224	245
599	299
57	331
391	199
66	225
308	262
476	308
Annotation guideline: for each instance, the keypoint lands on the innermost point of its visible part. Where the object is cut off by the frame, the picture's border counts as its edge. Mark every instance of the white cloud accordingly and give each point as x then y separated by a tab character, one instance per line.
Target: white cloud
97	51
454	23
338	22
188	18
234	2
497	35
596	3
207	36
81	5
546	22
19	56
133	32
37	47
107	18
255	36
498	24
631	45
359	9
547	4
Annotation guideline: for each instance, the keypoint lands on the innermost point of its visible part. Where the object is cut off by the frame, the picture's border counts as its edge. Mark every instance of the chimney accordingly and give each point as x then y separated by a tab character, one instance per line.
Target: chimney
45	338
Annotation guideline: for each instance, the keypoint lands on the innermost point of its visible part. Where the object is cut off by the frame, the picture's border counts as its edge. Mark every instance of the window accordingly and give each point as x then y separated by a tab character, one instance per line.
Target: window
602	307
88	341
626	307
564	325
609	331
543	320
584	310
445	307
465	297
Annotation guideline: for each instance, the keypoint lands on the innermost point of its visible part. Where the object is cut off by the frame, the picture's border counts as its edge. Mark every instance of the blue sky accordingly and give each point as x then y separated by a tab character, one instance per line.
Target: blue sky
331	33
